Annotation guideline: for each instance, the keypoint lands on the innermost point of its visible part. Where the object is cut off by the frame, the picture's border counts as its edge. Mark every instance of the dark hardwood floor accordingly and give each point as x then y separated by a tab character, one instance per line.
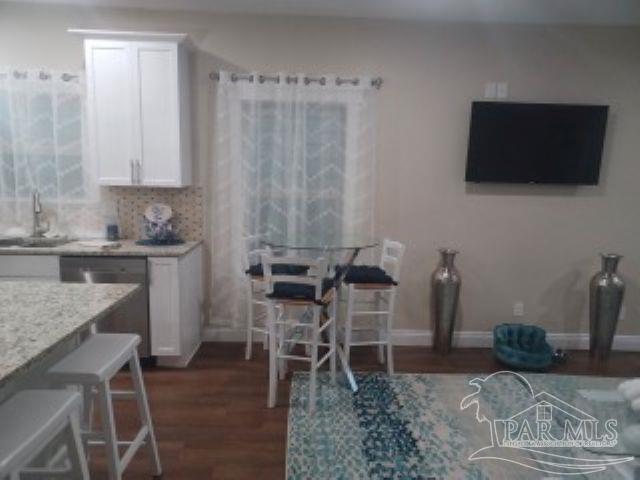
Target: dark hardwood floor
212	422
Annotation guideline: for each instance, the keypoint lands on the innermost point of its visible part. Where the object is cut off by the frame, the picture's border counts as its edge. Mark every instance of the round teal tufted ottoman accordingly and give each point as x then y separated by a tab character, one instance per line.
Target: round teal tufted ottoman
522	347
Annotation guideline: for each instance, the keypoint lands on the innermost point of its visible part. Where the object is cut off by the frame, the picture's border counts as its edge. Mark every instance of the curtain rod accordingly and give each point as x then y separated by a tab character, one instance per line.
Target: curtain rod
42	75
250	77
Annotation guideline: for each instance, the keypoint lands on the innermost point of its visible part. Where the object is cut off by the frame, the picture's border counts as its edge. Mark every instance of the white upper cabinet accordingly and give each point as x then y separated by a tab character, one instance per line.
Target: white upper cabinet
138	107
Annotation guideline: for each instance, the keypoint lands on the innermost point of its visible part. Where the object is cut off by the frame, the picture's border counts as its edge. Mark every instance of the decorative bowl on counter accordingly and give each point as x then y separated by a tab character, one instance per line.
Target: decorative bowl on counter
158	213
158	227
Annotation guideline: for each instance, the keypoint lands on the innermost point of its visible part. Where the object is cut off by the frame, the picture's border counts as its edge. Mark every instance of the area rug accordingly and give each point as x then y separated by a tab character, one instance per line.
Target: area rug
412	426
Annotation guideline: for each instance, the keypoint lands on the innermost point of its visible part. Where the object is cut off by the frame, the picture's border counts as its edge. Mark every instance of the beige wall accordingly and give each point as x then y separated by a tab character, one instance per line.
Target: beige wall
537	244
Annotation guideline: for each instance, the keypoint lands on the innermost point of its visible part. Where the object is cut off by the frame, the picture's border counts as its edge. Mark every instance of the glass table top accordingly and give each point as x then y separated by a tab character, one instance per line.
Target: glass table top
316	243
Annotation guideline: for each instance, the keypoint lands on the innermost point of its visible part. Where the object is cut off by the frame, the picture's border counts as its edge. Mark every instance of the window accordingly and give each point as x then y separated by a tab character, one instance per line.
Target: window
42	148
41	137
294	160
294	168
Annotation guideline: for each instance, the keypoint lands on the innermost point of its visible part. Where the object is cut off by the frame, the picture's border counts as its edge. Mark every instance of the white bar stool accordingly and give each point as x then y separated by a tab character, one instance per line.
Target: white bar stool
29	422
312	292
92	365
381	282
255	289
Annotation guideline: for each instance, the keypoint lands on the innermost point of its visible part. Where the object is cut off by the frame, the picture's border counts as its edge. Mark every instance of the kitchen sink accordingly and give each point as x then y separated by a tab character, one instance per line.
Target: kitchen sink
33	242
10	241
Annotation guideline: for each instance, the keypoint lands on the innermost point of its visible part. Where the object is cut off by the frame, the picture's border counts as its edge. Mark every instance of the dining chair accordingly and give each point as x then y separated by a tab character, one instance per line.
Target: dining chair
255	288
313	297
381	282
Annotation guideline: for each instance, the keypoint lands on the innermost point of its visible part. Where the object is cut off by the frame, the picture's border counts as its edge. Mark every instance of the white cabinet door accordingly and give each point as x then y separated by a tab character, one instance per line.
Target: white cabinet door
176	307
109	81
139	108
158	128
164	306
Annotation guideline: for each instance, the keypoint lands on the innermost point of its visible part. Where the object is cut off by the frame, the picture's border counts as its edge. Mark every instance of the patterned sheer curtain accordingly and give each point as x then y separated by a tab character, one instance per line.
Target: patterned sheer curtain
41	148
294	161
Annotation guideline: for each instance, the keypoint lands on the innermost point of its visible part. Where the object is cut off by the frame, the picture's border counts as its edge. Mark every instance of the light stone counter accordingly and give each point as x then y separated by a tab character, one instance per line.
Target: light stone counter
128	248
36	317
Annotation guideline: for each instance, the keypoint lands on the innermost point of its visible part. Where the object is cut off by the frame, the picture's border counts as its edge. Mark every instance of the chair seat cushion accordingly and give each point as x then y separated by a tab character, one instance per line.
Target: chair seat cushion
296	291
365	274
278	269
522	346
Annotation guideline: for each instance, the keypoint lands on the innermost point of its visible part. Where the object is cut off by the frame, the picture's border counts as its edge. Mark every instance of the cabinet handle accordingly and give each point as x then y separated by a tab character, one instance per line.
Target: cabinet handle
139	169
133	180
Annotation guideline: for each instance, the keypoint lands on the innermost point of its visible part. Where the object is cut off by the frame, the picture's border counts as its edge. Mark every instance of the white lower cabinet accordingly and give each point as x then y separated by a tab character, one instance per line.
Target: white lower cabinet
175	307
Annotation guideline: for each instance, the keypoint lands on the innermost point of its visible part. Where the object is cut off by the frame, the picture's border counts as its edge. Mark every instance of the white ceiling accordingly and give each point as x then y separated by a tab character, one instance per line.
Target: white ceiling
594	12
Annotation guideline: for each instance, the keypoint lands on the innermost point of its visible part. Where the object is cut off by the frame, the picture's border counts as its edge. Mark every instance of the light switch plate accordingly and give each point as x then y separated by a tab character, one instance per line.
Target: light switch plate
518	309
490	90
502	90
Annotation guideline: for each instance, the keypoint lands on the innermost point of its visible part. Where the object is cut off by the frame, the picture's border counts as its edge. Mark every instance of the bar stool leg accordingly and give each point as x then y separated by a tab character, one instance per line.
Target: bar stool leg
265	340
314	359
143	410
75	450
381	328
348	322
109	430
273	352
392	299
282	362
87	414
249	347
333	340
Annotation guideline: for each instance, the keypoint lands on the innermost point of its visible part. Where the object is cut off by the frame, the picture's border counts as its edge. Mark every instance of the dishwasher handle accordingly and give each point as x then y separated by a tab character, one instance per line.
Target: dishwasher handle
106	272
88	275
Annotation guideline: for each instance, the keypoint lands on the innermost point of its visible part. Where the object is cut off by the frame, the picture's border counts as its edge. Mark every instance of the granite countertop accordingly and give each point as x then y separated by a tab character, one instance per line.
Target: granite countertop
128	248
35	317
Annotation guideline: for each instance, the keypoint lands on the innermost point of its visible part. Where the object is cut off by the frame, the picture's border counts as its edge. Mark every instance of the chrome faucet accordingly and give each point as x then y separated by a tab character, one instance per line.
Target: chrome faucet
39	227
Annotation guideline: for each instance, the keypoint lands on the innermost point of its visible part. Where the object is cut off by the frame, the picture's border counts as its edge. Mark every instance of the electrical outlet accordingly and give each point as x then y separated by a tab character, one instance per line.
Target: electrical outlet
490	90
518	309
502	90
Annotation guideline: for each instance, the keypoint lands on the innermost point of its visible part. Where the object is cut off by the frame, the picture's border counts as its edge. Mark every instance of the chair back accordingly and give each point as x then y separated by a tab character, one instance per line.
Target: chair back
252	251
315	275
391	258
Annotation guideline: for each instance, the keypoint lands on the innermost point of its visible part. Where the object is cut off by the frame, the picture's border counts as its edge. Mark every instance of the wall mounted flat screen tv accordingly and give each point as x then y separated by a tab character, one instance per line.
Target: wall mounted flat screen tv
536	143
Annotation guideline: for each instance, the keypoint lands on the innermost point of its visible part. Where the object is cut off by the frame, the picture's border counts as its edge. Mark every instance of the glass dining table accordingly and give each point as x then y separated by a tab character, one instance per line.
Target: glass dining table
342	250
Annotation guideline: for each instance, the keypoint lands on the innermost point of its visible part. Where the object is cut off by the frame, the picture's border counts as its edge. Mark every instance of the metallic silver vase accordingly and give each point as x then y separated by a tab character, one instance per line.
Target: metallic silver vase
445	291
606	292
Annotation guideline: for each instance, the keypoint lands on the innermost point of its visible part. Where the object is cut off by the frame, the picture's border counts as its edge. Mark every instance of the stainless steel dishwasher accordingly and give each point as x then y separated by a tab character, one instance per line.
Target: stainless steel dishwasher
130	317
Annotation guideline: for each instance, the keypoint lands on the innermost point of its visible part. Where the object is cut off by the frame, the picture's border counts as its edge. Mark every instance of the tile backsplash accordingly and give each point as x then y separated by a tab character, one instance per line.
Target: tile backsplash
186	203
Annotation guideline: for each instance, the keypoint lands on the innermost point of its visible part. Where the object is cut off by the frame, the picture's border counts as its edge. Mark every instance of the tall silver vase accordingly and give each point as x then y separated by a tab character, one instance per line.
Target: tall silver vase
606	292
445	291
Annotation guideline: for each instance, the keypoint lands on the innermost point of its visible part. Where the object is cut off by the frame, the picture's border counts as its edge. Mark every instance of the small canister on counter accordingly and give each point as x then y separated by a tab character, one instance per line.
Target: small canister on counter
112	232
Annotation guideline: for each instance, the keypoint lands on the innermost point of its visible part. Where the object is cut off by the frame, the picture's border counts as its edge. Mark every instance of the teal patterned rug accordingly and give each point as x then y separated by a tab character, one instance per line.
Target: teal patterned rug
411	426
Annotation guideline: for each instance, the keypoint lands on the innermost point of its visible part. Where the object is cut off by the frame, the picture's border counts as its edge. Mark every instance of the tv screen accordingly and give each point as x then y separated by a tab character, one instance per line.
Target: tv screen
536	143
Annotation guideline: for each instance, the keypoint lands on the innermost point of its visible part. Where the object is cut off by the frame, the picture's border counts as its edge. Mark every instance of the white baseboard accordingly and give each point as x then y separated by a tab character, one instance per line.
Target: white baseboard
469	339
218	334
178	361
